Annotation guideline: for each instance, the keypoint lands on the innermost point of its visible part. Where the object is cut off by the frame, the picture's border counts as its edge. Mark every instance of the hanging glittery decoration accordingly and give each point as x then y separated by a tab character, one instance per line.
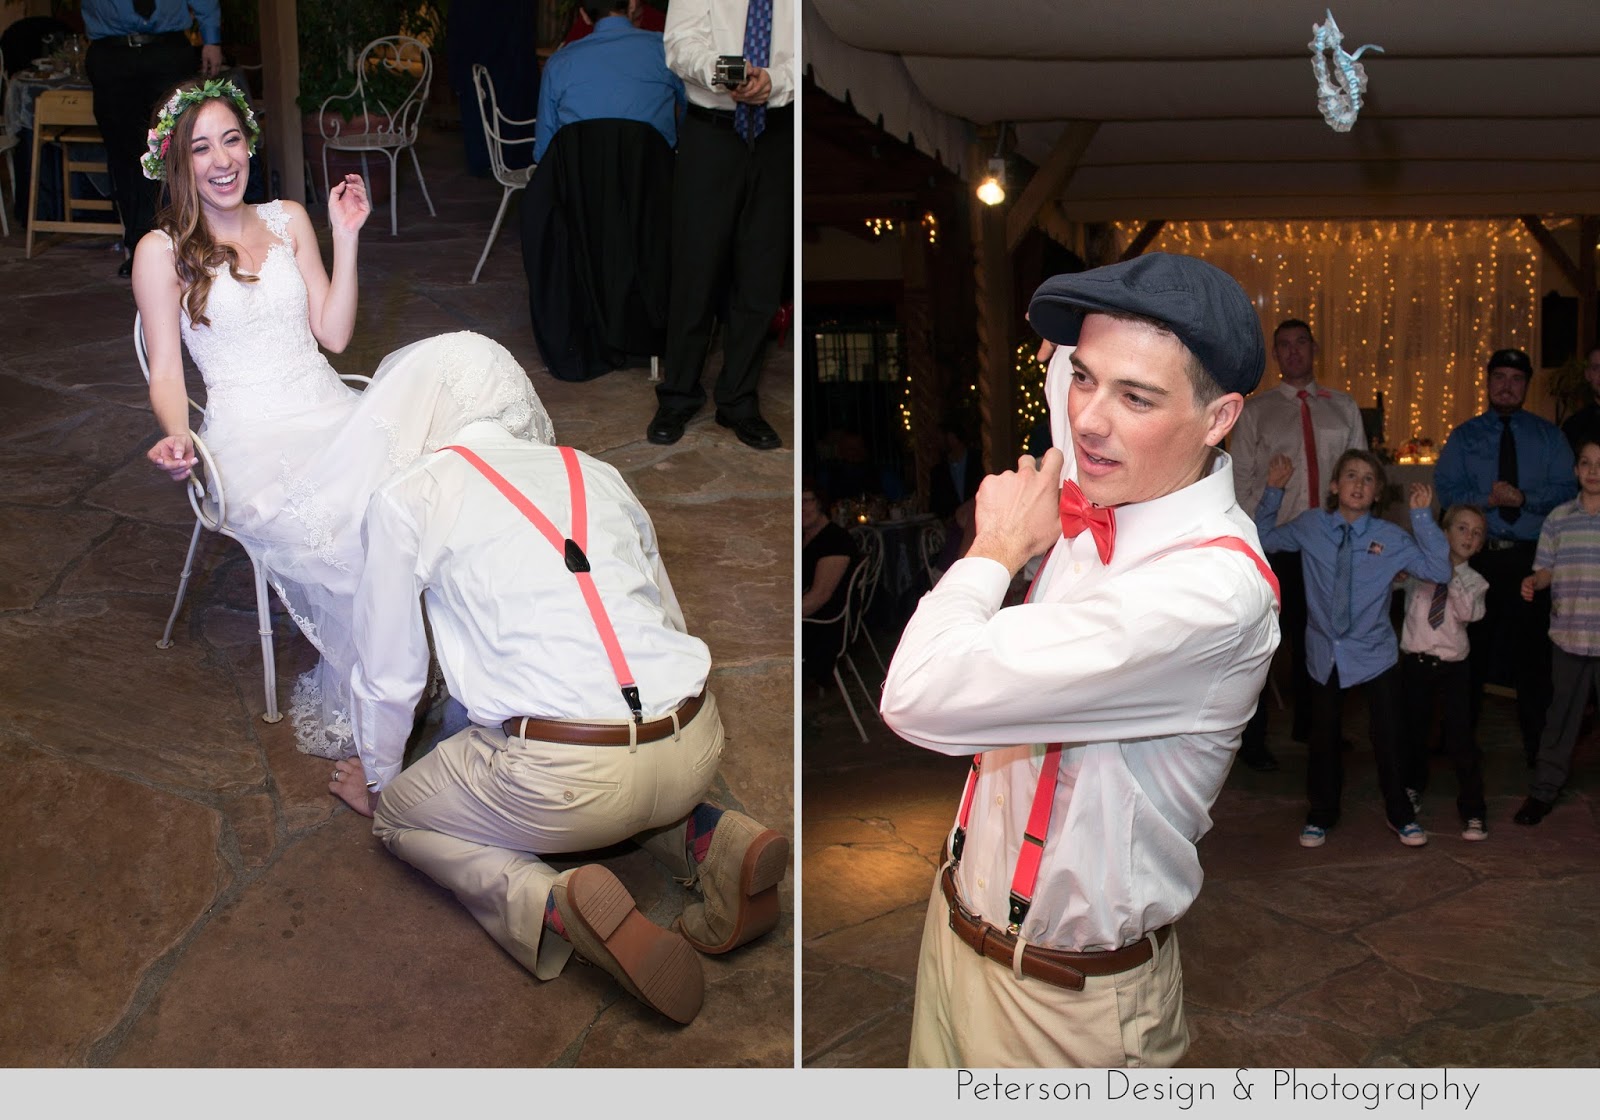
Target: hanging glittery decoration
1339	88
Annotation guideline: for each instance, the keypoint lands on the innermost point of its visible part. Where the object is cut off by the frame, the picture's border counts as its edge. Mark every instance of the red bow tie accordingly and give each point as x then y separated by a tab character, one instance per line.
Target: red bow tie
1078	514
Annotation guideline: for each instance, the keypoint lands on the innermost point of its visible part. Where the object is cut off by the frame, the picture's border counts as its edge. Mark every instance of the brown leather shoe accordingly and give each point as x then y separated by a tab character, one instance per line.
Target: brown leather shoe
654	965
738	880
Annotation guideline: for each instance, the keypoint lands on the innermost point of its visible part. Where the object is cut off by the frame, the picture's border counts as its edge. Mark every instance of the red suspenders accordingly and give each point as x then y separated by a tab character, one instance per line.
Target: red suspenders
1026	876
572	551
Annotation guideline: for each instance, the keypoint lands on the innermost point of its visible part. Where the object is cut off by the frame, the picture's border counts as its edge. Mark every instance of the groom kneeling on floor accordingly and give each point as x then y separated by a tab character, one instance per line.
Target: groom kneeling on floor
556	627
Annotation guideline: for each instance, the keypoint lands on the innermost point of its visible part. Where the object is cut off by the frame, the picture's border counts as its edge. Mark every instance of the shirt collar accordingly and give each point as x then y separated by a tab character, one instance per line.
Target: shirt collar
1293	392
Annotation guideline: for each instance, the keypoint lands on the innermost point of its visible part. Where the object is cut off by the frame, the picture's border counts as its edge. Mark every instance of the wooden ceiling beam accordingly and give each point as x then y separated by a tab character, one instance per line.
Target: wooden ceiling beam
1553	250
1048	182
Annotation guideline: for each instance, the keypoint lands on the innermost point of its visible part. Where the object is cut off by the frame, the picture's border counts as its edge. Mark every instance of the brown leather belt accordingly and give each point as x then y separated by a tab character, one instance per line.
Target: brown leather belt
602	734
1053	966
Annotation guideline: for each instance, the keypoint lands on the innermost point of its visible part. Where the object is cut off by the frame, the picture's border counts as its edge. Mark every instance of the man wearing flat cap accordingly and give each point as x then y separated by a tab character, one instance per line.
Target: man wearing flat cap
1517	466
1102	713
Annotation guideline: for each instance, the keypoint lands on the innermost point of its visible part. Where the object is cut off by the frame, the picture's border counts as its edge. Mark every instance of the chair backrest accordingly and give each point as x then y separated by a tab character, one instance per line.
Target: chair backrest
858	601
392	78
64	107
494	129
870	543
931	545
206	496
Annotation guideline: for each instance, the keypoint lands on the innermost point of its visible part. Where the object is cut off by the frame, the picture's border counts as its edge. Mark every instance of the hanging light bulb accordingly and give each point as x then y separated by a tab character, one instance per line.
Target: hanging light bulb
992	190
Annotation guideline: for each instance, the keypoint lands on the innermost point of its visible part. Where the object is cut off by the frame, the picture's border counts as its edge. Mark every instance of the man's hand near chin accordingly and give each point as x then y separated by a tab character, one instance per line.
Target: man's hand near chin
349	785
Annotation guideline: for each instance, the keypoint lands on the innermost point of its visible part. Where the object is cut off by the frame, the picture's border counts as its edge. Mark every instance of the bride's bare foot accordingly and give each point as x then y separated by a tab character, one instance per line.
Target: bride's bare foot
349	784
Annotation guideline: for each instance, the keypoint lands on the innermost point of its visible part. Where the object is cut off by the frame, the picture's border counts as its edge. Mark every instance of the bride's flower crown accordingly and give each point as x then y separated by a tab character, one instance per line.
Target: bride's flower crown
154	161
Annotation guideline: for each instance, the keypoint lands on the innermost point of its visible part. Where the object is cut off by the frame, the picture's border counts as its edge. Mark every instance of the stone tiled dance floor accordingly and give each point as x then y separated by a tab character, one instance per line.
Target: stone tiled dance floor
1359	953
177	888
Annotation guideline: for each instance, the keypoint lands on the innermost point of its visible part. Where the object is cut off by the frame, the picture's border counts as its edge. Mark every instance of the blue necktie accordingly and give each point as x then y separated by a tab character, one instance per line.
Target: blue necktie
1341	583
750	120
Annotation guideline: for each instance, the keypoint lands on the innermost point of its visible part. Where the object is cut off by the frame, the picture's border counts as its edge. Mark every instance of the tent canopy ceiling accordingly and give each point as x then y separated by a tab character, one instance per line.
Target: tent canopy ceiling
1207	108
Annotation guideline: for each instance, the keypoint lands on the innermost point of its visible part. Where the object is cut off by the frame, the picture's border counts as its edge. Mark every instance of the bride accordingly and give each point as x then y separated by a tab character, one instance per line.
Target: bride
243	287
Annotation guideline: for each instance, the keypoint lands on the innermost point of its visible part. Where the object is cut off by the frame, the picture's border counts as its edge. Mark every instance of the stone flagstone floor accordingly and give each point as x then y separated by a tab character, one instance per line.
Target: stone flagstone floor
177	888
1359	953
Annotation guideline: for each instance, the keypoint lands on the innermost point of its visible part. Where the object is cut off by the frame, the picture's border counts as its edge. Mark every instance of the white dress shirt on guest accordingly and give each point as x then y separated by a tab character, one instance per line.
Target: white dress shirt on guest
698	31
1463	604
1270	425
1146	670
510	628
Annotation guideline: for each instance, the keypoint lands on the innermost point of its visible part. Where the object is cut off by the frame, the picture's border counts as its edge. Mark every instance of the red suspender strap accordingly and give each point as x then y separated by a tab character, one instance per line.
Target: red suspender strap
1237	544
572	552
1026	876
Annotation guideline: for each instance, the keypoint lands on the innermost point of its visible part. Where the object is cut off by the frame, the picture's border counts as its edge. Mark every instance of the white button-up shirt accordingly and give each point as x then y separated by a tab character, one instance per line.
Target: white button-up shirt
1146	669
1464	603
698	31
1270	425
510	628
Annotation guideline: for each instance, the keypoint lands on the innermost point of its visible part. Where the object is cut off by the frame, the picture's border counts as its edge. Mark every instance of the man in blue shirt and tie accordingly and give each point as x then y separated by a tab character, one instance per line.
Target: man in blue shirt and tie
1517	466
617	71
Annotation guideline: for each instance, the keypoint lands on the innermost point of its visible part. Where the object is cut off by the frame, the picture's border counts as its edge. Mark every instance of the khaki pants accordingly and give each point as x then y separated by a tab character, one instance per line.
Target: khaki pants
476	813
972	1012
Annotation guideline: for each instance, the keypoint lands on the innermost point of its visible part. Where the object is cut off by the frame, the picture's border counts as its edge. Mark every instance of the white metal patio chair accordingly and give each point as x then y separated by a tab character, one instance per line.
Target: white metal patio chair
379	125
8	140
513	179
930	544
850	615
870	543
209	500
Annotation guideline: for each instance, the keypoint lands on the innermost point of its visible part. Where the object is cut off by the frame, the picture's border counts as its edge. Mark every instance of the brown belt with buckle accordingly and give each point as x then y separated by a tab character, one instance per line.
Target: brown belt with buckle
603	734
1053	966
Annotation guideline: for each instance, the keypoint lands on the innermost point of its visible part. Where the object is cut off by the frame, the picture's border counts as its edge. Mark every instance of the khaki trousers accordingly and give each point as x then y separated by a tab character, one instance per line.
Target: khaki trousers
972	1012
476	813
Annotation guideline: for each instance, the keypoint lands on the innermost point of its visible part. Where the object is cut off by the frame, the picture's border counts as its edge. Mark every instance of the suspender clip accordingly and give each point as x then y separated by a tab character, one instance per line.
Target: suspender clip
630	693
957	842
573	555
1018	911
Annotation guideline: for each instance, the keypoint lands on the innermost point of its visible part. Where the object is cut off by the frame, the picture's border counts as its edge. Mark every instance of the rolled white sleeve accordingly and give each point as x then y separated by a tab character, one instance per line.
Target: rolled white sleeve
1149	653
391	642
691	42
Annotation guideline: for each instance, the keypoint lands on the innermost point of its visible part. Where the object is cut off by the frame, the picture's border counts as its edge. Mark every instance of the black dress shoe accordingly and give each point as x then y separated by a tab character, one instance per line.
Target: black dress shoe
752	431
125	269
1533	811
668	424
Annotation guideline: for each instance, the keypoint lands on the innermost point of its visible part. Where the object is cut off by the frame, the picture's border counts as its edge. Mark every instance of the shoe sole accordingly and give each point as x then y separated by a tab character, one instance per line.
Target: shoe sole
1475	836
1313	842
759	875
655	965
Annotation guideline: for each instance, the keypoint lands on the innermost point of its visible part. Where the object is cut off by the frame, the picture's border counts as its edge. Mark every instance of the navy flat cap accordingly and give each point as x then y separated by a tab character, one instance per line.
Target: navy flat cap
1511	359
1201	304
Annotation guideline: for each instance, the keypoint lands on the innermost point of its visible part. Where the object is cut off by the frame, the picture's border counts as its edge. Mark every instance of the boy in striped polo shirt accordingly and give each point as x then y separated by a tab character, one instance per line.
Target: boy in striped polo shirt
1568	562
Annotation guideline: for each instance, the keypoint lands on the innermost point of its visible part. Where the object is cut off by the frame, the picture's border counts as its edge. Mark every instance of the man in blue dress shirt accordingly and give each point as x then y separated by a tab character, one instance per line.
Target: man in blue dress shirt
617	71
1517	466
138	50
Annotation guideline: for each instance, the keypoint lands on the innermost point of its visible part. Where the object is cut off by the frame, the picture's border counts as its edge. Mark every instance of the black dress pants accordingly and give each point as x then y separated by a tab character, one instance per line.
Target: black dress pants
1325	765
1428	684
128	84
732	236
1292	625
1512	640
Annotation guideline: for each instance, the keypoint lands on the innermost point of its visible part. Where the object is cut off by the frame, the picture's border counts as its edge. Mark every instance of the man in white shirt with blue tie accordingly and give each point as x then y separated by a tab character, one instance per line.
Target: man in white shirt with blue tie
1103	713
555	625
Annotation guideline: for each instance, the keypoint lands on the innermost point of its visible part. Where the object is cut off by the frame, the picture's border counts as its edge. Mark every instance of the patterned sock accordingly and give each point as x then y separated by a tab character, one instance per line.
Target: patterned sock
552	916
702	823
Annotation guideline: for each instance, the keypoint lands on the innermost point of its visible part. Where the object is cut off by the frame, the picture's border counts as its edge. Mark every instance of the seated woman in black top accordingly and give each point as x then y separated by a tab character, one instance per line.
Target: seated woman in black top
827	557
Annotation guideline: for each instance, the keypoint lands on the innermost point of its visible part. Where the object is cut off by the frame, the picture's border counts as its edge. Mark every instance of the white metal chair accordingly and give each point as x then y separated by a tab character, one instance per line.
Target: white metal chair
931	545
850	615
513	179
870	543
405	65
209	501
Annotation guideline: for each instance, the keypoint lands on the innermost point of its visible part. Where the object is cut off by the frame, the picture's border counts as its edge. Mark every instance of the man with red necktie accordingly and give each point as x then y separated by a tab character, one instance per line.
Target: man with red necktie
1313	425
1101	714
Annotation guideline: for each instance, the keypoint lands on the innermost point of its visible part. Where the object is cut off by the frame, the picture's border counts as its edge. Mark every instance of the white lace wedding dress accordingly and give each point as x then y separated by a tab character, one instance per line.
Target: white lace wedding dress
301	452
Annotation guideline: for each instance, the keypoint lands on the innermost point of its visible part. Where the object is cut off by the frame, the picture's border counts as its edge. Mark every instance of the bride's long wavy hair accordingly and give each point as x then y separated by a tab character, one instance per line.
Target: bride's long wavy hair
197	255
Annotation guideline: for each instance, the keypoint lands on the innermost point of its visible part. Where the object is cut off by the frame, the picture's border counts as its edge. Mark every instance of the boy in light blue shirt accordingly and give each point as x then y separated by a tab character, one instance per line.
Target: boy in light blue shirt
1350	559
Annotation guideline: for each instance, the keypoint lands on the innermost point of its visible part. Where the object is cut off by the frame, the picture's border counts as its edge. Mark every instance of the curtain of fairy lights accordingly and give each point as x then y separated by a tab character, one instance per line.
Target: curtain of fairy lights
1409	309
